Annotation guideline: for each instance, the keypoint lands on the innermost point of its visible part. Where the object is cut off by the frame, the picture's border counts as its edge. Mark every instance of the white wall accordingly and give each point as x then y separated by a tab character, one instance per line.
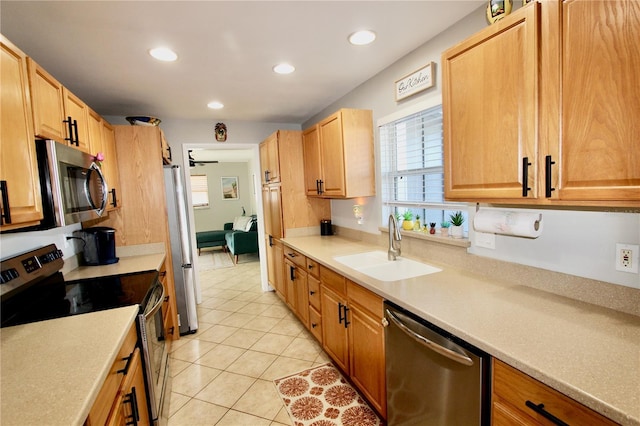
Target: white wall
221	211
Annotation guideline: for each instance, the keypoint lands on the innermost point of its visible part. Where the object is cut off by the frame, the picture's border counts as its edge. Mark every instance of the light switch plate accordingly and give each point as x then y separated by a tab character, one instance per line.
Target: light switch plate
486	240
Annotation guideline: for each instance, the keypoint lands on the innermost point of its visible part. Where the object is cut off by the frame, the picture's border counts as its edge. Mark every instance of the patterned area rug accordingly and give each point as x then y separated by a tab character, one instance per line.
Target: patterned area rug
216	259
320	396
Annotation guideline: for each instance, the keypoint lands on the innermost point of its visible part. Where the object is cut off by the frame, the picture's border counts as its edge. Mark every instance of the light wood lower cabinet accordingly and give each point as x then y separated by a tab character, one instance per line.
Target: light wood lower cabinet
297	291
114	404
131	404
353	334
521	400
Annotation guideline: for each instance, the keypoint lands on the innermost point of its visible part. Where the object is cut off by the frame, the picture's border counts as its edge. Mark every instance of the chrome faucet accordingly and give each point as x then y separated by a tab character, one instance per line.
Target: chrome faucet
394	239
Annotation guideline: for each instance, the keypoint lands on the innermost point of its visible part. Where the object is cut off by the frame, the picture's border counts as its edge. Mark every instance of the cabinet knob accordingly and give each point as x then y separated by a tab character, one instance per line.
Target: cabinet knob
385	322
166	299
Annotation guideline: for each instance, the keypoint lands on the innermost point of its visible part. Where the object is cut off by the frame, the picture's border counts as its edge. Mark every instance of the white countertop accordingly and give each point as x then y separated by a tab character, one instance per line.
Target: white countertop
52	371
587	352
126	265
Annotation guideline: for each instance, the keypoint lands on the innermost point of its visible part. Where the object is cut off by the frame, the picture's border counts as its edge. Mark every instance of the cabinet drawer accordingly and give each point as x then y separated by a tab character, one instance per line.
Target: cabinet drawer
313	268
101	408
314	293
366	299
297	258
515	388
315	323
333	280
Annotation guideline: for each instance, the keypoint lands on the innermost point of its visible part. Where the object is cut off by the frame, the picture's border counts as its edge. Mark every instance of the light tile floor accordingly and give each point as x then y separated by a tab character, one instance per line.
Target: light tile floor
222	375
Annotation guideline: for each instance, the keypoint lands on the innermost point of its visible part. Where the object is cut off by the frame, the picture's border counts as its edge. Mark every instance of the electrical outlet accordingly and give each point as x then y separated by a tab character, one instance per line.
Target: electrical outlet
627	257
485	239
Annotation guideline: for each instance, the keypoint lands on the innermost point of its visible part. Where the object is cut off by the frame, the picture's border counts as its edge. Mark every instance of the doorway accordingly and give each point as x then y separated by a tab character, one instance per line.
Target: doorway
248	197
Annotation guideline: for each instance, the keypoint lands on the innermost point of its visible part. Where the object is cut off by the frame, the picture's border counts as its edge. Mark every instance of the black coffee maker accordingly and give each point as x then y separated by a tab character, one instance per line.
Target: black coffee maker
99	245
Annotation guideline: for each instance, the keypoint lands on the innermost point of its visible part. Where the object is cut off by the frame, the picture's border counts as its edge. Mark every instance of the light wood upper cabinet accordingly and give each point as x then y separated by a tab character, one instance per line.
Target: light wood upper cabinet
554	85
110	165
102	139
599	153
270	159
338	155
77	111
489	107
57	113
18	163
47	103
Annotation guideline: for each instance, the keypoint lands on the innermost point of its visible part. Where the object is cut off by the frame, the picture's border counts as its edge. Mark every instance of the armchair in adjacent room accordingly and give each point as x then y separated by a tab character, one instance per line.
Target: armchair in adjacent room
243	238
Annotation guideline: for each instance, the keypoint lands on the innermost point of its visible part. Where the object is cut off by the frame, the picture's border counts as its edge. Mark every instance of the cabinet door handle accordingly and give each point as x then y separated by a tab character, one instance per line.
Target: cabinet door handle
292	273
166	299
114	201
6	210
525	176
346	321
310	266
135	414
169	151
340	312
125	370
291	255
270	241
539	408
547	176
170	331
69	122
75	132
321	187
314	325
266	175
311	292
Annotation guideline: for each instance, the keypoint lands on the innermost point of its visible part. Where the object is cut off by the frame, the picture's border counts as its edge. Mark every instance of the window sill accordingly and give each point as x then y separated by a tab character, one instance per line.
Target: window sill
436	238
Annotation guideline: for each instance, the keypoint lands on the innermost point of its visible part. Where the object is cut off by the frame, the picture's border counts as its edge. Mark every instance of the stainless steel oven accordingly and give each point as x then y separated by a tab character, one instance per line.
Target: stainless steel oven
33	289
155	353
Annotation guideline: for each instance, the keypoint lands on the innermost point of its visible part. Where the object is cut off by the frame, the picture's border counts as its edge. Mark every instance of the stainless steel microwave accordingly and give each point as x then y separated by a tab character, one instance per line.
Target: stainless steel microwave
73	186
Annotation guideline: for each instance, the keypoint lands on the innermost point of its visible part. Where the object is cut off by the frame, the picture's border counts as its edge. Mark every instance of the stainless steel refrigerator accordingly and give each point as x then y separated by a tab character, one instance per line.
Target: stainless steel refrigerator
181	250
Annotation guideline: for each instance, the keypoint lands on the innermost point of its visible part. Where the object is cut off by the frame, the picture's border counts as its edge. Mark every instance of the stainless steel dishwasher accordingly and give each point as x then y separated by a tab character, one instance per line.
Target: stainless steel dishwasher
433	377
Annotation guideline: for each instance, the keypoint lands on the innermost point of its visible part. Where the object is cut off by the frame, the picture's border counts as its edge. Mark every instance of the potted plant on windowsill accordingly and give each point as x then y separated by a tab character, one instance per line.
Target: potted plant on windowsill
407	223
444	228
457	219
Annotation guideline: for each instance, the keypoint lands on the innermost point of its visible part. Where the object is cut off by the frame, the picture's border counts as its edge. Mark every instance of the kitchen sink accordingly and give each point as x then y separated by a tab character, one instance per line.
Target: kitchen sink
376	265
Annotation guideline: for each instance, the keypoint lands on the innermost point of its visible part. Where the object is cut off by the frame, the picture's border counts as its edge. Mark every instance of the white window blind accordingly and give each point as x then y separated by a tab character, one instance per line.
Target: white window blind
199	191
411	155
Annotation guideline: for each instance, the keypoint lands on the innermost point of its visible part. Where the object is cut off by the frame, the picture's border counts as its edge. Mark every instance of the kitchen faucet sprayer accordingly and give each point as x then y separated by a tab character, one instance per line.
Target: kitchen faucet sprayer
394	239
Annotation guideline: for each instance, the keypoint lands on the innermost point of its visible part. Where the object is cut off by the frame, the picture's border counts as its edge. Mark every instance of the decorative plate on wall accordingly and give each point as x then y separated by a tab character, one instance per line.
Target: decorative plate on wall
221	132
498	9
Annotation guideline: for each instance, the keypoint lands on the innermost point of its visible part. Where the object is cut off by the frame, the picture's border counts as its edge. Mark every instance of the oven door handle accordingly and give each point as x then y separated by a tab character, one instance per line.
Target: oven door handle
452	355
159	301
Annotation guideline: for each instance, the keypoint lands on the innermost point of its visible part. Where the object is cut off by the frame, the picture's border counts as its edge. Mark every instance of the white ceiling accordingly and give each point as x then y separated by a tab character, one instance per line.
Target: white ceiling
98	49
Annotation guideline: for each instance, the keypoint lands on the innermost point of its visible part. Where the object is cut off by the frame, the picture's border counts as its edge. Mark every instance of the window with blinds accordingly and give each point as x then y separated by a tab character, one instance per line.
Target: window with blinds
199	191
411	155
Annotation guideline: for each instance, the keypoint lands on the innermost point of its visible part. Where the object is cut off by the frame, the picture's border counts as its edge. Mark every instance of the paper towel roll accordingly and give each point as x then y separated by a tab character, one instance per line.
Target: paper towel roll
508	223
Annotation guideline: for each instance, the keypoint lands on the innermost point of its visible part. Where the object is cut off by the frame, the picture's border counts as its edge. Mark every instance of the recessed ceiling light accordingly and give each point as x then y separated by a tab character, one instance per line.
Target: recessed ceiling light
163	54
215	105
363	37
284	69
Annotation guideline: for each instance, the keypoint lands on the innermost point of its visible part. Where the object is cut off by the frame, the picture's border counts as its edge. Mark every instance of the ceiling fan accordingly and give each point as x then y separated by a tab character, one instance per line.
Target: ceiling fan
193	162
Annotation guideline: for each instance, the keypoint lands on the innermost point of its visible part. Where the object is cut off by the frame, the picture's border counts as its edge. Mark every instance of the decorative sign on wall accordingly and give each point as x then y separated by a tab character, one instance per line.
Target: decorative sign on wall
415	82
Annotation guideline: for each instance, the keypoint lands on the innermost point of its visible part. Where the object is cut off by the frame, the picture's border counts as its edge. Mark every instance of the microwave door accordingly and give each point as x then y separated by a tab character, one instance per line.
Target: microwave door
95	189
